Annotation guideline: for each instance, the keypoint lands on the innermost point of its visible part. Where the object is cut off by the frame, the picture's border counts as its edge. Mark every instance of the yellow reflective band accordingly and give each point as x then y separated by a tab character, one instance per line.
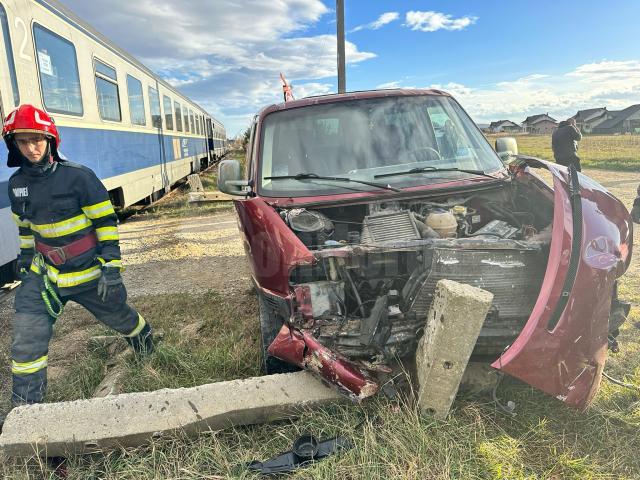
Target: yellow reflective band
139	327
27	241
25	368
72	279
20	223
99	210
107	233
60	229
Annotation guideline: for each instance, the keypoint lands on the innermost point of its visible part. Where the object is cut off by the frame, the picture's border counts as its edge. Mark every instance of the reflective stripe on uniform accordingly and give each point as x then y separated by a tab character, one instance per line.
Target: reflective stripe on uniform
70	279
111	263
20	223
107	233
65	227
25	368
27	241
139	327
99	210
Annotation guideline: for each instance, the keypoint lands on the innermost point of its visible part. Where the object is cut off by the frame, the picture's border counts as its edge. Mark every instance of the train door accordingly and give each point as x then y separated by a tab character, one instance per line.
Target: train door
157	117
212	155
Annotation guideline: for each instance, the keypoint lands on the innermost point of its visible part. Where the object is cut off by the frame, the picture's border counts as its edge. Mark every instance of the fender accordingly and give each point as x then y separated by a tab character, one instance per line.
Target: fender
563	347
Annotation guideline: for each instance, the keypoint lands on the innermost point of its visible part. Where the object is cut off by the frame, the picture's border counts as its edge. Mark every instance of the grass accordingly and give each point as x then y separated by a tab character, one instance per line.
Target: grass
209	338
609	152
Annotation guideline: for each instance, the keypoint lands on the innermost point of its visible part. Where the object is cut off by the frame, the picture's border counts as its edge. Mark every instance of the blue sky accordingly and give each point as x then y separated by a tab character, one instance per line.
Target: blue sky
499	59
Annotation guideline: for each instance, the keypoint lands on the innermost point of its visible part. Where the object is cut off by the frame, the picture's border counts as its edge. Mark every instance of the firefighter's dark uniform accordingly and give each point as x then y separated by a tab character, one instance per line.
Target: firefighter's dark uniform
65	205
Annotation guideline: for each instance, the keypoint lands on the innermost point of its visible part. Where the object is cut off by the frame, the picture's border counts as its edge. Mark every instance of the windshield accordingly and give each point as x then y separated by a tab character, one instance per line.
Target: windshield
364	138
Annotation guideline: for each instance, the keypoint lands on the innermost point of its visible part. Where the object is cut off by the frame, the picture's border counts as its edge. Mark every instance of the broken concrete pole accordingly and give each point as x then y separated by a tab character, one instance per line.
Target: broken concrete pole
83	426
453	325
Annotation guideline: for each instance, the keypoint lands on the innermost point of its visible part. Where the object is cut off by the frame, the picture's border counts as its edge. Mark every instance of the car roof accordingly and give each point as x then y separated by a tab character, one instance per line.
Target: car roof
349	96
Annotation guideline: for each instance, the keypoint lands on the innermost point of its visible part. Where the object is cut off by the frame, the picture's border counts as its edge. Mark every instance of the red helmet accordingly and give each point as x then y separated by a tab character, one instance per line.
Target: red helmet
29	119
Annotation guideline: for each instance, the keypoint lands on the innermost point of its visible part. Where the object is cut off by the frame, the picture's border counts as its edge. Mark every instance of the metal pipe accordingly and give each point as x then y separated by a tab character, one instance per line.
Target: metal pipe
342	81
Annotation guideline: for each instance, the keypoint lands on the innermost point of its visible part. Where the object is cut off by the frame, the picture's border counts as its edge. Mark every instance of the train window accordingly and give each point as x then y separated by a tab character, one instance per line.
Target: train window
154	106
193	125
4	24
178	110
58	67
168	112
107	91
136	101
106	70
185	115
198	125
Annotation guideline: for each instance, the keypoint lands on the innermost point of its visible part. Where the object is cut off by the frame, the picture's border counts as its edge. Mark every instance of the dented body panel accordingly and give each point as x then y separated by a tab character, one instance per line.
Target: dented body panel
564	357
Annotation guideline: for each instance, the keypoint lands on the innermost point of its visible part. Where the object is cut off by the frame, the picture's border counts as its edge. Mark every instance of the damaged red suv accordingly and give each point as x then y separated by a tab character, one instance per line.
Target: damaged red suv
355	205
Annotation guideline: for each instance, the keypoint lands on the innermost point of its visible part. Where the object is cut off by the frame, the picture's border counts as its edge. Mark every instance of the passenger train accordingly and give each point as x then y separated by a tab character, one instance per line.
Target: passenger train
138	133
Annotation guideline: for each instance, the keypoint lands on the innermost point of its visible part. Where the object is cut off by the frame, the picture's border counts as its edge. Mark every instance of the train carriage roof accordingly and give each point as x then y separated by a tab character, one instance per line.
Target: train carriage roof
63	12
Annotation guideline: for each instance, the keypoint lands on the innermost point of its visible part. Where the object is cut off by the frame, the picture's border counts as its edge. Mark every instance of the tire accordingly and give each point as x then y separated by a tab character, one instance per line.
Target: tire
270	325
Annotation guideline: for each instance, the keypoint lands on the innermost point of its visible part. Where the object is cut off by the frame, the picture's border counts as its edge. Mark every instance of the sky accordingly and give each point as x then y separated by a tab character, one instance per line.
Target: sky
500	60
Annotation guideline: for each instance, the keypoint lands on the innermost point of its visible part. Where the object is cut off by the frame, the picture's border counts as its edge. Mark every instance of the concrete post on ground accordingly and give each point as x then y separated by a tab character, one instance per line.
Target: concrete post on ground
129	420
452	329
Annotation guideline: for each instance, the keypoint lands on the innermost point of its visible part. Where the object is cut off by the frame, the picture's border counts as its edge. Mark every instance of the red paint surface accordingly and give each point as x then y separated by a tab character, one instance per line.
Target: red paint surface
301	349
568	361
272	248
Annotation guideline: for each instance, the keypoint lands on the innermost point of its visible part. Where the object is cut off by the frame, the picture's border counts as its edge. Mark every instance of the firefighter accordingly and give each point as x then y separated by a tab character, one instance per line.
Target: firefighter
69	250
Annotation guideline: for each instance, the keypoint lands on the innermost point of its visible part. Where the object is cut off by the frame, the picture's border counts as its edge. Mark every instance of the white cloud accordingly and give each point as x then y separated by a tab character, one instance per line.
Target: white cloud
394	84
432	21
614	84
382	20
226	55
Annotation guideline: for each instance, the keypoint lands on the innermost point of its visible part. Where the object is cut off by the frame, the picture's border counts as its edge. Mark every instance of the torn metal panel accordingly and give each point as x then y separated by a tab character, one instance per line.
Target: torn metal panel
301	349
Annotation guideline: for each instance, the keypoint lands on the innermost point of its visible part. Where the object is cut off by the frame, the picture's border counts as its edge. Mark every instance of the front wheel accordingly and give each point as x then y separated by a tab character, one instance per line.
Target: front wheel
270	325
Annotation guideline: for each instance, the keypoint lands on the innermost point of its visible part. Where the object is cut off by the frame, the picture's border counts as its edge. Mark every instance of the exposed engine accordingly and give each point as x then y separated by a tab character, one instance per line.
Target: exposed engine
377	267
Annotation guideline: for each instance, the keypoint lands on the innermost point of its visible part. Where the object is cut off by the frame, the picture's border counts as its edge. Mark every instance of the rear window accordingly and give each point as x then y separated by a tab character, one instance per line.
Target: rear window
58	69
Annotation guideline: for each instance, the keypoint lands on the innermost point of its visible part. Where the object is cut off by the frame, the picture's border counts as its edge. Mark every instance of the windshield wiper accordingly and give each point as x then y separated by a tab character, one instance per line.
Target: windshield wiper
313	176
436	169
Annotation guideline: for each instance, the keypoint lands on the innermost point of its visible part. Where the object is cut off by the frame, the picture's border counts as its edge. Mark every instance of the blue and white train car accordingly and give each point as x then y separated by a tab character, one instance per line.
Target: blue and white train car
139	134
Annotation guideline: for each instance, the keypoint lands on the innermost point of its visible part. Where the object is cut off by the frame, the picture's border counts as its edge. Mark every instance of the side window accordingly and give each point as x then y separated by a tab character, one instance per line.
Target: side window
178	110
58	67
4	24
168	112
193	123
136	101
154	106
185	115
107	91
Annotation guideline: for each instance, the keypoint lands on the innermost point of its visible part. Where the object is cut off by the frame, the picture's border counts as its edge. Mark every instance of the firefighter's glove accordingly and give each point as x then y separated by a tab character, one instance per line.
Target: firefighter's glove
110	285
635	211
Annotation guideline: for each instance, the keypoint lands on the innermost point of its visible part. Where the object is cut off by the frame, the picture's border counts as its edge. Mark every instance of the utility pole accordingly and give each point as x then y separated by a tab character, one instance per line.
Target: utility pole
342	81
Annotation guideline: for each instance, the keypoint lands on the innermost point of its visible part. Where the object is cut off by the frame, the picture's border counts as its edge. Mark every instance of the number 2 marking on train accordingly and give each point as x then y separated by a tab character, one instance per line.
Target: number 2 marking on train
19	23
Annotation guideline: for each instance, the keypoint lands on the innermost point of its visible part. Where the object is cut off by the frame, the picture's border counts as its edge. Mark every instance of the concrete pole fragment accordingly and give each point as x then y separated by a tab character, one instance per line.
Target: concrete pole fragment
128	420
451	331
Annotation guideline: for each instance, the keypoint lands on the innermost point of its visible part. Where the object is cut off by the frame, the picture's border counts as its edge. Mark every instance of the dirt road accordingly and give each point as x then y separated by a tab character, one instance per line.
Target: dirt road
194	254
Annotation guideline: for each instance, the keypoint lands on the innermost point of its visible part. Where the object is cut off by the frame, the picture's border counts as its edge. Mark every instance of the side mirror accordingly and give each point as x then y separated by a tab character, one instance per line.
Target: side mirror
229	180
506	147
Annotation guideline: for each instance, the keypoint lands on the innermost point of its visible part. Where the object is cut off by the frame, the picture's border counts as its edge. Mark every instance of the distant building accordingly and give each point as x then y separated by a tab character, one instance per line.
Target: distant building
539	124
624	121
504	126
587	120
